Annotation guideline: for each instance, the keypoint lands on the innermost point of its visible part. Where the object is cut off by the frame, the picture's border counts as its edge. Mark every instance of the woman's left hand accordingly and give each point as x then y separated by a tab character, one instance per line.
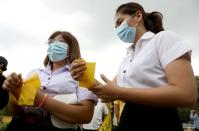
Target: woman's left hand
107	92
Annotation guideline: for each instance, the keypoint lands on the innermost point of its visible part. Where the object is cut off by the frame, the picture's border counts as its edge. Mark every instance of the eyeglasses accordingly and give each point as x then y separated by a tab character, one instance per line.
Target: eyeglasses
50	41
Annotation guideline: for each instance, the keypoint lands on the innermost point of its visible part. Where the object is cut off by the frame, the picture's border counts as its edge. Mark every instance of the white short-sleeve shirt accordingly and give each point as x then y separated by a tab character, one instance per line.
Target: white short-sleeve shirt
100	111
144	65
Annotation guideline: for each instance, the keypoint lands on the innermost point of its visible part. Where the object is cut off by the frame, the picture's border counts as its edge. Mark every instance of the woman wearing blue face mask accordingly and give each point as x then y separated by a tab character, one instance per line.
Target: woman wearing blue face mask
59	104
155	76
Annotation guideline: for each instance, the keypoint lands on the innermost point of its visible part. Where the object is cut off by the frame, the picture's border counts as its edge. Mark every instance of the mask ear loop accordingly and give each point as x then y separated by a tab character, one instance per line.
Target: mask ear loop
131	16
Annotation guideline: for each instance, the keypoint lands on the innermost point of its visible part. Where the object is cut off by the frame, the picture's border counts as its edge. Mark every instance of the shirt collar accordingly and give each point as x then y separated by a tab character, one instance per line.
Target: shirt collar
145	36
48	68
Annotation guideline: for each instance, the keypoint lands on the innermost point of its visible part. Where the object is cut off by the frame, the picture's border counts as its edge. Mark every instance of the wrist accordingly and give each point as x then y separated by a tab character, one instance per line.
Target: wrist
38	97
16	93
120	93
43	101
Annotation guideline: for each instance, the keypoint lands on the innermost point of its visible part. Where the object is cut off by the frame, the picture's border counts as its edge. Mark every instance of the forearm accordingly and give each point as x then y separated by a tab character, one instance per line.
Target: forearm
77	113
68	112
167	96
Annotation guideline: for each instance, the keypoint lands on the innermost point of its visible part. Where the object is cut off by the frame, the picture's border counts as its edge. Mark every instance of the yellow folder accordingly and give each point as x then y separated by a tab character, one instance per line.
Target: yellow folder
28	91
87	80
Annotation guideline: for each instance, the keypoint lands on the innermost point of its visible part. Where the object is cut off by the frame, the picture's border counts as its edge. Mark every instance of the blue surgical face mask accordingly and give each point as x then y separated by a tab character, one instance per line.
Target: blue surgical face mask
126	33
57	51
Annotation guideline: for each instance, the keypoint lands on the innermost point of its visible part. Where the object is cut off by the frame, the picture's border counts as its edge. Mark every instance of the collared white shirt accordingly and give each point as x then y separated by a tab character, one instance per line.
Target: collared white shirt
100	111
144	65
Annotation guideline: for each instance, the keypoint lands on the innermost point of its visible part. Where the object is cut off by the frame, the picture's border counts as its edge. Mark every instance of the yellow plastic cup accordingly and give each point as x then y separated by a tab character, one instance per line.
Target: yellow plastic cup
87	80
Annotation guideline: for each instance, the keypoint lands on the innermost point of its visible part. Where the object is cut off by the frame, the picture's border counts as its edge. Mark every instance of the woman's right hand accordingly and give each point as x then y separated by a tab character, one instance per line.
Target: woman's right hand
13	83
78	67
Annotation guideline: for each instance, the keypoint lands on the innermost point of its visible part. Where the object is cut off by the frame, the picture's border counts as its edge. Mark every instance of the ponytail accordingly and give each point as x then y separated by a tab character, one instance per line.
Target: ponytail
152	21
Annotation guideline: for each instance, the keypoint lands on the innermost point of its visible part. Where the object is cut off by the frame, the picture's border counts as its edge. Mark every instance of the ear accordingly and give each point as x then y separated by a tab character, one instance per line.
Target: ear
139	16
1	65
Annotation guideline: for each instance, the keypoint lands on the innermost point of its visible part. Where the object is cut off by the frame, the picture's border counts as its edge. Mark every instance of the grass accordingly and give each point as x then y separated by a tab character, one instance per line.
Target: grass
4	121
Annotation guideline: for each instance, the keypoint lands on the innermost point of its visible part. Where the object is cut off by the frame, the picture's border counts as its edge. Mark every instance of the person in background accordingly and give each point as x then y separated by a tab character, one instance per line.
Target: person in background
99	114
118	108
194	119
55	80
154	78
3	93
193	115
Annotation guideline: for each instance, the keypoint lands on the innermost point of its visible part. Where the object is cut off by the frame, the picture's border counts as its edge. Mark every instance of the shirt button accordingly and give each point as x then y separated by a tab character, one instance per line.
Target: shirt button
131	60
49	78
124	71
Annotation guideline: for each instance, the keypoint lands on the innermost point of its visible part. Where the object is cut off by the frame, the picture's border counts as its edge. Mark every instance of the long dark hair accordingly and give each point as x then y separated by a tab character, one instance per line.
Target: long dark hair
74	51
152	21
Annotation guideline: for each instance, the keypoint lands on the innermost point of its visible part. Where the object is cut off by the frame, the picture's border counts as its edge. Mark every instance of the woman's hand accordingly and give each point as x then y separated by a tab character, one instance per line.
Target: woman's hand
78	67
13	83
107	92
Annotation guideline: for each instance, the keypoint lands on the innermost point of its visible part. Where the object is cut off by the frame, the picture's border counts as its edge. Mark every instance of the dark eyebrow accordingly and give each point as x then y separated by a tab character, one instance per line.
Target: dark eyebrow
118	22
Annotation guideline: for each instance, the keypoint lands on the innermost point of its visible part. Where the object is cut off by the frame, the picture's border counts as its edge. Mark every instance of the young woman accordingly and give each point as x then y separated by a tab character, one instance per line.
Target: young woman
55	79
154	78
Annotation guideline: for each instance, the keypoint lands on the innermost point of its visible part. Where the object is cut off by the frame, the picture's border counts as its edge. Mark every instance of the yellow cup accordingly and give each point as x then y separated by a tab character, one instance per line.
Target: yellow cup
87	80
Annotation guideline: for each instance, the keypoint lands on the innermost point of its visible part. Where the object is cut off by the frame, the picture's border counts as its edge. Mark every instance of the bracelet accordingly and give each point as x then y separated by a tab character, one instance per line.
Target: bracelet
43	100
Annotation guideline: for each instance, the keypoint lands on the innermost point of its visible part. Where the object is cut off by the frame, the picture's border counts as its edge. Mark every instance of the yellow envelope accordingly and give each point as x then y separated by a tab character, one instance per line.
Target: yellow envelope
29	90
87	79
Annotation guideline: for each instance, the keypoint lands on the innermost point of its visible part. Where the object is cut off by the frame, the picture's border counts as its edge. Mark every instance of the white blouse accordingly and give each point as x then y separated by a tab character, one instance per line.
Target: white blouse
144	66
